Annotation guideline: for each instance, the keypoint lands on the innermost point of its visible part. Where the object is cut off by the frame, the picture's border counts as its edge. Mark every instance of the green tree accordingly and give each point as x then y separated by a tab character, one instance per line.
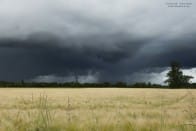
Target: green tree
176	78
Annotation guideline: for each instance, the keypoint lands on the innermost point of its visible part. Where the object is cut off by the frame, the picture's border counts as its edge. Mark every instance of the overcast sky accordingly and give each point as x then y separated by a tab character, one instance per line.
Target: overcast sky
99	40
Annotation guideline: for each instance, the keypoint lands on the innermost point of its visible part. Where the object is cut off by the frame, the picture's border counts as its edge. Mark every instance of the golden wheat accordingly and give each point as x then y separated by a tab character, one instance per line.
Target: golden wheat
97	109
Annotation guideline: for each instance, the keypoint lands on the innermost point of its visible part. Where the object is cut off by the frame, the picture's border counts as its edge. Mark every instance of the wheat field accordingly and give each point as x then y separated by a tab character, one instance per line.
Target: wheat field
97	109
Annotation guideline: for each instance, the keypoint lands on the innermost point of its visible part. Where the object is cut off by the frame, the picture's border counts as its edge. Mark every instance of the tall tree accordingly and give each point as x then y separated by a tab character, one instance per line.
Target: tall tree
176	78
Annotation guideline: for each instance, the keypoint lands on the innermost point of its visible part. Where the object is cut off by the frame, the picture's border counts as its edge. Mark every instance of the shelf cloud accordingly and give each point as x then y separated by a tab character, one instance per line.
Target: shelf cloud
52	39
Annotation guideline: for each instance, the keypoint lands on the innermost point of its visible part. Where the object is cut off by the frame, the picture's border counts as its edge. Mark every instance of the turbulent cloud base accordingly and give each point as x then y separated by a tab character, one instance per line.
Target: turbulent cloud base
89	78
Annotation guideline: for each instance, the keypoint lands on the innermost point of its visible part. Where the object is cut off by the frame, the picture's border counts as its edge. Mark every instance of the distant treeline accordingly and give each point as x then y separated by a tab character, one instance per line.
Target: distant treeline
75	84
83	85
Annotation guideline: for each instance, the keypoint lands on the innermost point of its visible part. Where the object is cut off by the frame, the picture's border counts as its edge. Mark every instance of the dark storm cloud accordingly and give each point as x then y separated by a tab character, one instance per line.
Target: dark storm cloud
45	55
168	49
52	40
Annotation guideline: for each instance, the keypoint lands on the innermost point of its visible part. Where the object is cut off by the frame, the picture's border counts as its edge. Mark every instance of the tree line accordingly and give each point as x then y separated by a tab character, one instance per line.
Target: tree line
76	85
